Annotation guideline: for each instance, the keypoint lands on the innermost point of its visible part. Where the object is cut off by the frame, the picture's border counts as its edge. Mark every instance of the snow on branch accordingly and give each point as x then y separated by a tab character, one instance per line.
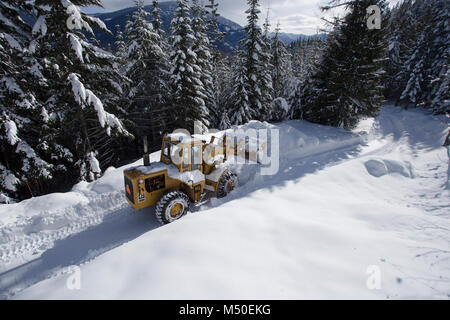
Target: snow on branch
11	132
13	43
42	165
40	27
9	180
94	163
78	89
11	85
85	97
76	46
96	51
99	24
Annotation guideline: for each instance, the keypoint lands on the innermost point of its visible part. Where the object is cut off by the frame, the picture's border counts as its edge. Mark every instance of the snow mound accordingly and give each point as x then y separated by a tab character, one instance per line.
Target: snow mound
379	168
376	168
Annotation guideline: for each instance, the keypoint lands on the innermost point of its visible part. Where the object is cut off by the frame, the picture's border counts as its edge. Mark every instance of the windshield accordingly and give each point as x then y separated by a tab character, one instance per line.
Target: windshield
171	152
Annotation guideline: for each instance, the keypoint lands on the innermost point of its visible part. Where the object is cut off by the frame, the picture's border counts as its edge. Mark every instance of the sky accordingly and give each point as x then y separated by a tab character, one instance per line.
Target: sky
294	16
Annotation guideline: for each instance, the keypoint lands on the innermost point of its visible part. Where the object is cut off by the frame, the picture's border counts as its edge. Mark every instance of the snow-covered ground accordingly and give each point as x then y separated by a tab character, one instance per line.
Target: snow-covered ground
345	210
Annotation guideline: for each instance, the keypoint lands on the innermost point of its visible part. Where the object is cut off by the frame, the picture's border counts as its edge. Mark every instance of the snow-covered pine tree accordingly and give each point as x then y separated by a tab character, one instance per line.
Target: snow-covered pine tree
416	67
293	49
265	70
413	93
24	156
304	83
120	45
297	56
224	88
204	60
314	54
156	22
186	77
295	96
283	79
214	33
401	34
225	122
157	26
440	66
282	75
217	62
124	149
148	71
253	49
348	83
420	72
295	100
302	56
239	108
83	84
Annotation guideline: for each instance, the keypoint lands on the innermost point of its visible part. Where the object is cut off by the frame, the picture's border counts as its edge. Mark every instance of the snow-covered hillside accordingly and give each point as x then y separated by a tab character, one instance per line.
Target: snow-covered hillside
343	206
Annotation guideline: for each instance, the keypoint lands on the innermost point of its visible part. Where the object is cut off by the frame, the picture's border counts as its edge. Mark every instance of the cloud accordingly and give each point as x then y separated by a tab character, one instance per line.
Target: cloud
300	23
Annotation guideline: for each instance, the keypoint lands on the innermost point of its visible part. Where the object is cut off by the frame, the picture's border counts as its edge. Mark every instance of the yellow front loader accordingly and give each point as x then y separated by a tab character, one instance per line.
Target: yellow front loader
188	169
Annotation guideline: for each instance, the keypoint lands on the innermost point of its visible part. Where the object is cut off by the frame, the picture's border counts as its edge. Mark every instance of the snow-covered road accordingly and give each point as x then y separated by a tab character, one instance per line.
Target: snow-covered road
342	204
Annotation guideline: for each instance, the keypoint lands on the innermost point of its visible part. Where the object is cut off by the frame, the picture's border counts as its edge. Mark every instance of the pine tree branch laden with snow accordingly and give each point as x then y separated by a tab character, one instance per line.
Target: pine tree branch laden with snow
84	84
86	98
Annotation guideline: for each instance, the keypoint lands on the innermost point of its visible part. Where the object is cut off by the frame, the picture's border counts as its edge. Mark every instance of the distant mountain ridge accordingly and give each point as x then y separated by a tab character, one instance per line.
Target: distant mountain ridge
234	31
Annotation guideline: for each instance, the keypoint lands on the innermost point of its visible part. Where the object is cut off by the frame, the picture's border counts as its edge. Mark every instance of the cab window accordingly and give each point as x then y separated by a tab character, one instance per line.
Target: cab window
186	159
196	158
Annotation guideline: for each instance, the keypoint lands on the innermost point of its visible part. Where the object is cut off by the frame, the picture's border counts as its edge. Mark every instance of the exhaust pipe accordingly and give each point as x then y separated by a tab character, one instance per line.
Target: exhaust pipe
146	154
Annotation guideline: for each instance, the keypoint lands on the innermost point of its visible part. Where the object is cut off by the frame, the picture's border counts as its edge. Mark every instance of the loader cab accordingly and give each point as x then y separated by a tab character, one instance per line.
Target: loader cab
182	151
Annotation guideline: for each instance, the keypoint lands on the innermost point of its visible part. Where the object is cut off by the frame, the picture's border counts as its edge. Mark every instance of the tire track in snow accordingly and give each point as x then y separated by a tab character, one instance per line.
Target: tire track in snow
40	236
118	227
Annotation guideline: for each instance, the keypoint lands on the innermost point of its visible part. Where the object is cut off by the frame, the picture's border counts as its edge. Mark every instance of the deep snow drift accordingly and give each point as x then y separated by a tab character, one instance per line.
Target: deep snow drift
344	208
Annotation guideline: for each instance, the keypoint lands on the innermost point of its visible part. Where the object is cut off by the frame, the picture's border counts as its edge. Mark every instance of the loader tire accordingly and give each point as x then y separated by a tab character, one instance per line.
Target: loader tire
226	184
172	206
